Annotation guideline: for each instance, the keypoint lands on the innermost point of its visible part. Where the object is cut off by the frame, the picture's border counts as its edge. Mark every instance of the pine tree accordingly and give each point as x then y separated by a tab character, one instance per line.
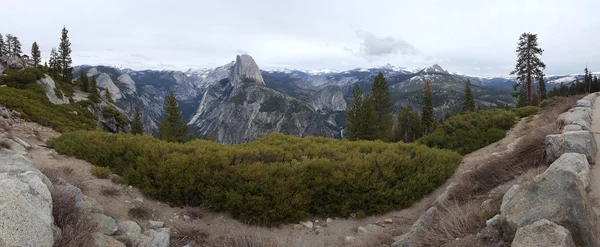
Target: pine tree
529	66
370	128
427	120
93	89
108	96
469	101
85	82
384	108
352	115
172	128
35	54
64	50
3	51
54	63
16	46
409	124
137	127
542	89
9	45
522	98
536	100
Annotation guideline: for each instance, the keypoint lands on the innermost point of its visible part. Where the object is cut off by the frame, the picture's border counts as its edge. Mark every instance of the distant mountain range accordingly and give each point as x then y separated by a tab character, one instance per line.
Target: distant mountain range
238	102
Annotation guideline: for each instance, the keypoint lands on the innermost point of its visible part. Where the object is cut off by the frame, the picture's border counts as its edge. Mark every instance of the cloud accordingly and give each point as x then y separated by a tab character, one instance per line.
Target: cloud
141	56
373	47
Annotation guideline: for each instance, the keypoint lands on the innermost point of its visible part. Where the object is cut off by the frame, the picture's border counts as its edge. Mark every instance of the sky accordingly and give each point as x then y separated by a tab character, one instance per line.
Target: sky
475	37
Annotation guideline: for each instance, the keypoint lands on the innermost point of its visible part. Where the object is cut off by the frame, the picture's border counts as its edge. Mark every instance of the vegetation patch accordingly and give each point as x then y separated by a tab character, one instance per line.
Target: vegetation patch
526	111
272	104
276	179
470	131
33	104
100	172
111	112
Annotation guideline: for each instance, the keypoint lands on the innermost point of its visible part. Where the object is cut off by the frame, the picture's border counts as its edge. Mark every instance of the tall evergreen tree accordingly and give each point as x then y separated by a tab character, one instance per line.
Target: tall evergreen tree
427	119
409	124
369	128
542	89
54	63
64	50
384	108
352	115
9	45
3	51
522	98
536	99
137	127
588	80
16	46
172	128
469	101
529	66
85	82
35	54
94	96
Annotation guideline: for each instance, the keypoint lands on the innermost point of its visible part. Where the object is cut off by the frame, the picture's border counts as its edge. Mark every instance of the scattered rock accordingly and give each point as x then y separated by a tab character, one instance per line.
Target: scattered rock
371	228
90	205
388	221
319	229
26	204
298	227
156	224
361	230
106	225
494	221
21	142
101	240
128	227
157	238
186	218
543	233
349	239
138	200
329	220
308	224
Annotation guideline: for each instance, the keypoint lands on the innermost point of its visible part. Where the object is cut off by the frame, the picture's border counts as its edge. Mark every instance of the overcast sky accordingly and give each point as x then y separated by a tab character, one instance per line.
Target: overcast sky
475	37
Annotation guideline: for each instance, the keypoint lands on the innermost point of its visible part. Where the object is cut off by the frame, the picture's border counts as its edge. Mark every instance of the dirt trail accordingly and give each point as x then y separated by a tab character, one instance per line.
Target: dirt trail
220	225
595	178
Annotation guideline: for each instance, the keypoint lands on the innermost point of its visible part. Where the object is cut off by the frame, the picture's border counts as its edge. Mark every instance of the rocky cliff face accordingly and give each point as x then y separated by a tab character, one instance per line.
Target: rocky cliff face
241	108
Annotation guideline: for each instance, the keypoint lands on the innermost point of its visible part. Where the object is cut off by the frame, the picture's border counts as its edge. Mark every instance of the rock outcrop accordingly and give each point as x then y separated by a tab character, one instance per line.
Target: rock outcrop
25	204
105	82
543	233
245	70
50	87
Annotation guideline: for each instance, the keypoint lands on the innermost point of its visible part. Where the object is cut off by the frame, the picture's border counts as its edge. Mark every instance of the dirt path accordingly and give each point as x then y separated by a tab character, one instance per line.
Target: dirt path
595	178
219	225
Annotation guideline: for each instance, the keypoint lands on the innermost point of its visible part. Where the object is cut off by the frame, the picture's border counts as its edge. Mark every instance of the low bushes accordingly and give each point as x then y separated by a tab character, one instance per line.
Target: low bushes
526	111
33	104
20	78
100	172
470	131
276	179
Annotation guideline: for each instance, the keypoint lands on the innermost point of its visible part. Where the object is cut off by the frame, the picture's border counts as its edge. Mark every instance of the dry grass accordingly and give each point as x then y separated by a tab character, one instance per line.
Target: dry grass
77	228
451	222
140	212
528	153
187	234
61	174
195	213
110	191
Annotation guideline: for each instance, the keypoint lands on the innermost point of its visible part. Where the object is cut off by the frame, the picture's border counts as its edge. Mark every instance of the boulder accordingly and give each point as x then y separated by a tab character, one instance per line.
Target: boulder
407	239
128	227
575	163
49	87
361	230
556	195
582	142
25	204
90	205
571	127
106	225
101	240
349	239
583	103
581	116
308	224
15	63
543	233
157	238
156	224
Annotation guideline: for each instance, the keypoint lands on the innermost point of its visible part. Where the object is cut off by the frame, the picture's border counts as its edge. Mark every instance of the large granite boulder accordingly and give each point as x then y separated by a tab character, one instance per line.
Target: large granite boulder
557	195
543	233
408	239
575	163
582	142
106	225
49	86
25	204
16	63
581	116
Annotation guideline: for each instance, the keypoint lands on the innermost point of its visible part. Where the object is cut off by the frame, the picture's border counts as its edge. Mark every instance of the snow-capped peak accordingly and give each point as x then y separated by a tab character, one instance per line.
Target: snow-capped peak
435	69
320	71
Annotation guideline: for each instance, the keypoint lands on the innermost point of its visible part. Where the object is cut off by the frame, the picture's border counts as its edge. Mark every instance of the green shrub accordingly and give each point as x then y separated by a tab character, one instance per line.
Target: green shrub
111	112
470	131
20	78
276	179
526	111
100	172
33	104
